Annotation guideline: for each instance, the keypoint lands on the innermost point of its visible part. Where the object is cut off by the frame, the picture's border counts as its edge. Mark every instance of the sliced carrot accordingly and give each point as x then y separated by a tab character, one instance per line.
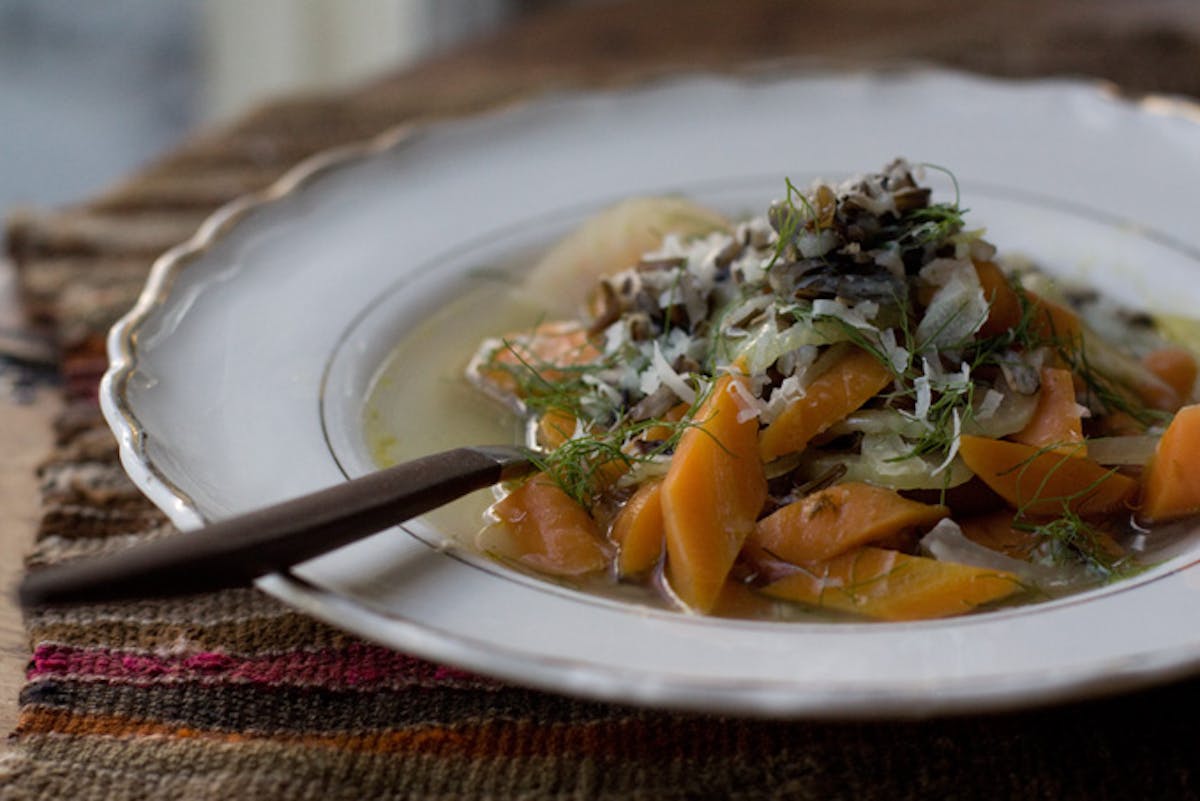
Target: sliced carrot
530	357
1043	482
711	496
638	530
839	518
555	427
673	415
1055	322
1177	369
996	531
843	388
1057	422
543	527
1171	485
889	585
1004	306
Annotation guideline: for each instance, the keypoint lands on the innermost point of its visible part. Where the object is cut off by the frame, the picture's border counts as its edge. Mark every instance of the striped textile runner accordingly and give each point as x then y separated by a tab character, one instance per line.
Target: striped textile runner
232	695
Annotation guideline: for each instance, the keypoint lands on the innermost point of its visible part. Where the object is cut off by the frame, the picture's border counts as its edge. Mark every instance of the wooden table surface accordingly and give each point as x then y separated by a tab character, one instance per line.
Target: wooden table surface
1145	46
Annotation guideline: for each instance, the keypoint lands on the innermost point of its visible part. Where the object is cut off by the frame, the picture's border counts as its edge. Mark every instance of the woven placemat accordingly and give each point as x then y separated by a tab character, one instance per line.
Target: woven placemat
233	695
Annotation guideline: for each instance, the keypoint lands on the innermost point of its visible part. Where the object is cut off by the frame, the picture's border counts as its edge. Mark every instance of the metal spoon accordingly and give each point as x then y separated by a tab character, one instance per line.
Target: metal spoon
234	552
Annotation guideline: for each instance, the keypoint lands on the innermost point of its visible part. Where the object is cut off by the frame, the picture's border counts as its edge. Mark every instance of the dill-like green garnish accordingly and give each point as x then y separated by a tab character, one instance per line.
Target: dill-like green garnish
1068	537
949	174
930	225
1110	393
988	350
1071	539
570	392
575	463
793	221
948	413
948	403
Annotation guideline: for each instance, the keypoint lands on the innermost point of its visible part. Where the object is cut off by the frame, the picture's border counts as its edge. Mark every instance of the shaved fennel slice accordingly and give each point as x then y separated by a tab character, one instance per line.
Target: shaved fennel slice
947	543
611	241
955	313
767	343
1007	416
906	473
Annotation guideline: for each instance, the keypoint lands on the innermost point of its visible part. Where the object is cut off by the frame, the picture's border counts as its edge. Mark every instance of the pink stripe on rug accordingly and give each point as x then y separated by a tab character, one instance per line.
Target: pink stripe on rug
358	666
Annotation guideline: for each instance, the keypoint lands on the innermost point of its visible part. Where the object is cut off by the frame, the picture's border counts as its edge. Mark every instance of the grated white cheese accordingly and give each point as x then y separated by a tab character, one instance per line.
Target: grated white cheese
790	390
924	398
616	336
752	266
859	315
897	355
669	378
749	407
678	344
814	245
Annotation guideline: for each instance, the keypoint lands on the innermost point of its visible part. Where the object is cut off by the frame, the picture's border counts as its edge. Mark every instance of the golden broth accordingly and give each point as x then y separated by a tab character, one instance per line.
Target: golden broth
420	402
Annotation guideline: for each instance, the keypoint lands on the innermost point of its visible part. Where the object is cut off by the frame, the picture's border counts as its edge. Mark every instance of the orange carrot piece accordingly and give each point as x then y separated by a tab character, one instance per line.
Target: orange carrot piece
537	353
544	528
1055	322
836	519
889	585
555	427
673	415
1171	485
638	530
711	496
842	389
1056	420
1043	482
996	531
1177	369
1004	309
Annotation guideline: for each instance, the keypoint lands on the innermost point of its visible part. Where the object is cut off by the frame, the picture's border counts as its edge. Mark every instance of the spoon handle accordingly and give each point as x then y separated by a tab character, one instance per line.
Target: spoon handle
235	551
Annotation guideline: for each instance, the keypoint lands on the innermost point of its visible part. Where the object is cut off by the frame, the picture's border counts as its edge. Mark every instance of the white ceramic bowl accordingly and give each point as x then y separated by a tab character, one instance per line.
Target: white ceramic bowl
240	377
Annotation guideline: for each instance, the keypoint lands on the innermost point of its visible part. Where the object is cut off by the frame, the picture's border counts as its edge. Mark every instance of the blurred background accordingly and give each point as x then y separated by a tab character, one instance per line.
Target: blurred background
90	89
